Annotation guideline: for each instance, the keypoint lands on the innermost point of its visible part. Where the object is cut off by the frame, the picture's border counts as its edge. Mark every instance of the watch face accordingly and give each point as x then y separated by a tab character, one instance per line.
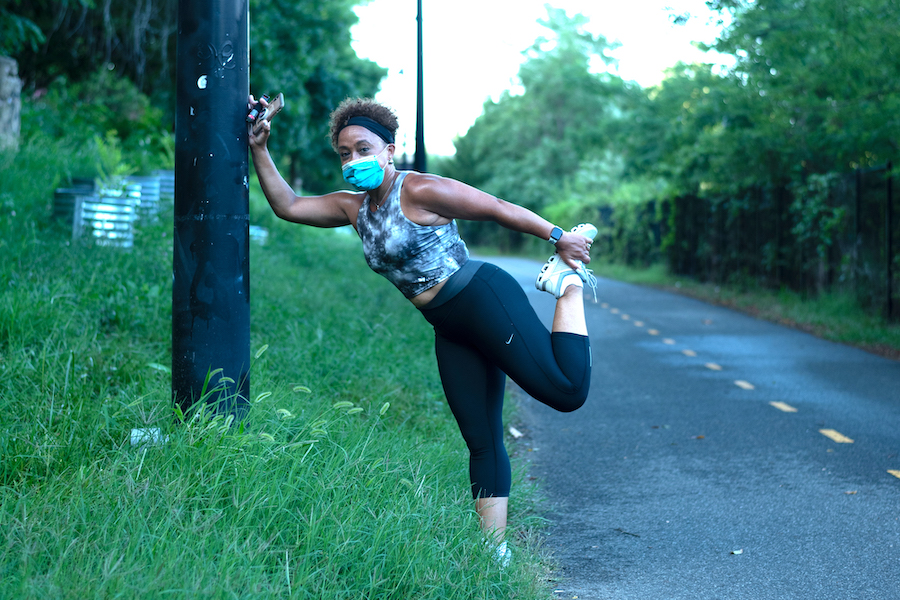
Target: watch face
555	234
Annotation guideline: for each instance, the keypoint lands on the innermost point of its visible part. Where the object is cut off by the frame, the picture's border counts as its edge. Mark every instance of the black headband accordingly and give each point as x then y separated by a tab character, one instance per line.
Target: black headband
374	126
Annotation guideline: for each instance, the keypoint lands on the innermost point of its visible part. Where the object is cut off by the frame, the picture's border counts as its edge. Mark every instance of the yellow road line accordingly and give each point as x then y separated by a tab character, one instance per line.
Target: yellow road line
604	305
614	311
835	436
783	407
894	473
638	323
689	353
713	366
744	384
653	331
668	341
625	317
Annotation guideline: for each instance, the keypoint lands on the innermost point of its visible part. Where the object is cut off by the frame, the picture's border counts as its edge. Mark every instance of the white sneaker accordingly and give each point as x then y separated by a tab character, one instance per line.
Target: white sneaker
585	229
556	275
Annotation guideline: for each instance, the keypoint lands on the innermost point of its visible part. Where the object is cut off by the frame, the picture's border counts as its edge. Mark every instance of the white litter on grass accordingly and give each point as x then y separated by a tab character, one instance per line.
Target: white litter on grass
515	432
150	436
258	234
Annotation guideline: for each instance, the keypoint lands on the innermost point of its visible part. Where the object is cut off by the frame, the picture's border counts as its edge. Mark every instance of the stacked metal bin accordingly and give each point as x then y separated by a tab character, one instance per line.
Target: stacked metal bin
166	184
108	213
68	204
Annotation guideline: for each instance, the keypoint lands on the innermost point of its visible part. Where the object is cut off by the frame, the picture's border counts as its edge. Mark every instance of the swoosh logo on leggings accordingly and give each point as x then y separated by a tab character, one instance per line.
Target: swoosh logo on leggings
510	339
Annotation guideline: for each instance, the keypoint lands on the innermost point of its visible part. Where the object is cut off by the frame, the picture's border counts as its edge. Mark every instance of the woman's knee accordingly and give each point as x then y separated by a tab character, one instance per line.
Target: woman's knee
573	402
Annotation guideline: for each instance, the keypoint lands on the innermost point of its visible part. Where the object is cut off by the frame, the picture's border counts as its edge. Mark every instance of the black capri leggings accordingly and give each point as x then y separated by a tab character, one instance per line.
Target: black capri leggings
489	330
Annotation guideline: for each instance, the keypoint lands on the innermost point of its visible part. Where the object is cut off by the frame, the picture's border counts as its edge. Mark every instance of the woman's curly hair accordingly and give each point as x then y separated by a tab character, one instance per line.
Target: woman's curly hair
361	107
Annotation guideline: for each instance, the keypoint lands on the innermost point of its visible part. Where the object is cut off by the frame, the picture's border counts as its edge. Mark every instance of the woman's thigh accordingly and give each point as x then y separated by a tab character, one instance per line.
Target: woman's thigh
494	314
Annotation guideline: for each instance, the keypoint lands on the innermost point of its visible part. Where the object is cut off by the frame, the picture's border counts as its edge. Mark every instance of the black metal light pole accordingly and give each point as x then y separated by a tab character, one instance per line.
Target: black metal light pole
419	161
211	278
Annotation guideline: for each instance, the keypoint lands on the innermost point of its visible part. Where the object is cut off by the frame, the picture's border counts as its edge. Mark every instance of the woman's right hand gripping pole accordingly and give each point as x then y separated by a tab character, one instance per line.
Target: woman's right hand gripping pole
258	135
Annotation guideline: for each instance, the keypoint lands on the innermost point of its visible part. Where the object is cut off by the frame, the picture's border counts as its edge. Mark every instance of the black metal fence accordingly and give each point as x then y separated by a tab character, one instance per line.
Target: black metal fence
838	232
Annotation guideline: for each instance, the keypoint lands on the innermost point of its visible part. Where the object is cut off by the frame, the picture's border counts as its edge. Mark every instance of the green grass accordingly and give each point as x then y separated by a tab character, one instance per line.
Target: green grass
833	316
348	481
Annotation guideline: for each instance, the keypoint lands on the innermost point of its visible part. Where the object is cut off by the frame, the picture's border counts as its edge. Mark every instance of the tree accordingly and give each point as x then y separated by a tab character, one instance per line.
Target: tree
826	74
524	147
72	38
301	48
813	91
17	32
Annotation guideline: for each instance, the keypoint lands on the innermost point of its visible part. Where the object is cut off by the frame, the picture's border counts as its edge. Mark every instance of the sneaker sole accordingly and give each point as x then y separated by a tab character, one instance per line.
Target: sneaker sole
550	270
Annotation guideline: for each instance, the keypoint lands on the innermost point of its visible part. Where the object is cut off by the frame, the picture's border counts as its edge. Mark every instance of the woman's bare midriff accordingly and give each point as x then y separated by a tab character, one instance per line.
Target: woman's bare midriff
427	296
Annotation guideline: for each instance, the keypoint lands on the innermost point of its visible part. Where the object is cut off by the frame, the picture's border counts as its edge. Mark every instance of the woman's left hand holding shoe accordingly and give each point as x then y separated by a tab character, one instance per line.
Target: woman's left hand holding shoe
573	247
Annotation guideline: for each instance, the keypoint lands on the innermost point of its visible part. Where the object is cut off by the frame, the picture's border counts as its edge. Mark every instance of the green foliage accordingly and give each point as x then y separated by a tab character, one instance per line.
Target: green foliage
685	135
300	48
731	174
303	50
524	148
811	93
18	32
816	218
71	37
823	77
104	113
110	161
809	99
26	200
629	225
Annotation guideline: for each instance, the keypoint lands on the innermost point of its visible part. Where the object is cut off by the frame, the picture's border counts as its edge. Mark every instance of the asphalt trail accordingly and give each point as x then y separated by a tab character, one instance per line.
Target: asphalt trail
714	458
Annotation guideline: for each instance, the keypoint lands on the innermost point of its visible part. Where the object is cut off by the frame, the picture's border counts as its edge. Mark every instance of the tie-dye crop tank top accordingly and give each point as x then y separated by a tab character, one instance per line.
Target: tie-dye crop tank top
413	257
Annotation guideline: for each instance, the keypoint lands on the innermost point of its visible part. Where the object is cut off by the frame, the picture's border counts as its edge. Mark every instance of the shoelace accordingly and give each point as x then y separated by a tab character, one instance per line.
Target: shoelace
588	277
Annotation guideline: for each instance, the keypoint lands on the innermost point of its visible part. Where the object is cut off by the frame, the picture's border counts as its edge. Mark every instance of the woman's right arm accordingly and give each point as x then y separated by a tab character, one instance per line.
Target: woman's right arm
331	210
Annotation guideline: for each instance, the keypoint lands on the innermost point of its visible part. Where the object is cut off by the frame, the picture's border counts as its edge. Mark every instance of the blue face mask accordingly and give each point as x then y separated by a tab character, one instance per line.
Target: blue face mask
364	173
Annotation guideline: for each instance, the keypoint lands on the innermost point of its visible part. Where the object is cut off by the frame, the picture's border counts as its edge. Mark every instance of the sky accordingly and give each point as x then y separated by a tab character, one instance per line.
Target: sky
472	50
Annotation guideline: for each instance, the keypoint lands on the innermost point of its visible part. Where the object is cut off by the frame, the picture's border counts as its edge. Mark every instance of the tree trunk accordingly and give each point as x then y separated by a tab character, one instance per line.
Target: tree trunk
10	104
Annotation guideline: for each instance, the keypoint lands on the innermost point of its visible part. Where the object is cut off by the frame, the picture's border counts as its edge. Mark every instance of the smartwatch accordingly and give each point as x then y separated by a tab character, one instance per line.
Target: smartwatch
555	234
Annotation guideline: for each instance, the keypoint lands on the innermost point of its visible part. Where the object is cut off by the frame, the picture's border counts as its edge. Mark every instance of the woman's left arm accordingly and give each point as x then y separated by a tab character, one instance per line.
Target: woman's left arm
451	199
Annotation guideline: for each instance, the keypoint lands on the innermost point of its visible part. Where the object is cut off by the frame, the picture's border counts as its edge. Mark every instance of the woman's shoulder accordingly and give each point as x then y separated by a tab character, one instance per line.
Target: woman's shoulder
346	197
425	198
349	202
417	184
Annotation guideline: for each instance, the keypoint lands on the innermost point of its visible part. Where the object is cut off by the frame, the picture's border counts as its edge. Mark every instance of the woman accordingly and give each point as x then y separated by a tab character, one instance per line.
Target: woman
484	325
